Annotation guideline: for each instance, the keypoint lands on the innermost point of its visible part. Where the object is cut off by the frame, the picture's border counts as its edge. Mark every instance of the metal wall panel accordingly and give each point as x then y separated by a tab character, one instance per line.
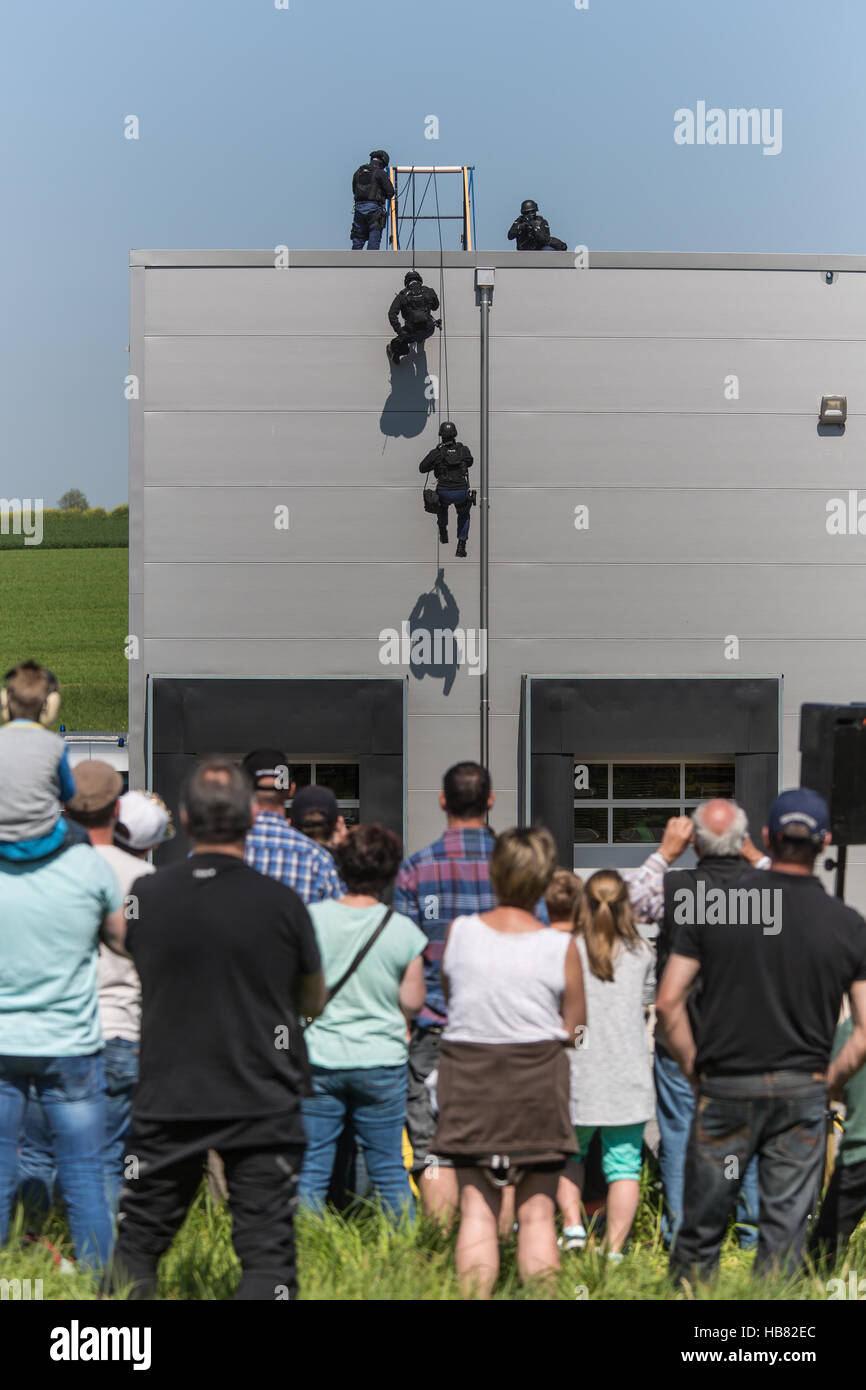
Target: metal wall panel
263	387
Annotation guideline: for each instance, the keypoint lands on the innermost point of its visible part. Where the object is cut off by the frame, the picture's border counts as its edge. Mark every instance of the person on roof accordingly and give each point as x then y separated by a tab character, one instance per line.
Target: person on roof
531	231
371	189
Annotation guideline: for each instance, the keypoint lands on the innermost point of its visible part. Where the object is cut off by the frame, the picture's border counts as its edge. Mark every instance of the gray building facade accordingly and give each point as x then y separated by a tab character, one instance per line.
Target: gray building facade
676	563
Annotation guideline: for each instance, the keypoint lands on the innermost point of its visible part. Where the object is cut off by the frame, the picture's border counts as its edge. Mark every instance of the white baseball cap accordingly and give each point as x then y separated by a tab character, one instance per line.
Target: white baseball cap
144	821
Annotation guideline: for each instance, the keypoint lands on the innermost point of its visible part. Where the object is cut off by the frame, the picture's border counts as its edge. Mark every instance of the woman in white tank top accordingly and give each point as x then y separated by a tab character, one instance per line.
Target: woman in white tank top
515	998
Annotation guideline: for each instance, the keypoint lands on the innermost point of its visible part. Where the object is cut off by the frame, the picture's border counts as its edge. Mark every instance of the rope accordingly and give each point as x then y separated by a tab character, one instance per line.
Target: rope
417	212
443	342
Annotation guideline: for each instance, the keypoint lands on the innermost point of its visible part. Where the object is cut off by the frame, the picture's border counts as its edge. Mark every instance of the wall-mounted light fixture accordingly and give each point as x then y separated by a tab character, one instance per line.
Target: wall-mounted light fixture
834	410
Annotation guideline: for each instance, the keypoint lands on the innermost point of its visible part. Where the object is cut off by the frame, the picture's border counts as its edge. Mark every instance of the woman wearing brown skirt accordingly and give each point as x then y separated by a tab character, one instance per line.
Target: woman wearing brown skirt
515	999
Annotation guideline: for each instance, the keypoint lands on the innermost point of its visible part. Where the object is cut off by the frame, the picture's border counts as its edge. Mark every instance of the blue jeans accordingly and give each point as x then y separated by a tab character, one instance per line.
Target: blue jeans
675	1106
782	1117
459	497
367	226
37	1172
121	1076
375	1098
71	1090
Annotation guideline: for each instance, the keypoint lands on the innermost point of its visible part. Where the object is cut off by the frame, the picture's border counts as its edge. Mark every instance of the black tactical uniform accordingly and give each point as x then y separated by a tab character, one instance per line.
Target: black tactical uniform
371	189
416	302
449	463
532	232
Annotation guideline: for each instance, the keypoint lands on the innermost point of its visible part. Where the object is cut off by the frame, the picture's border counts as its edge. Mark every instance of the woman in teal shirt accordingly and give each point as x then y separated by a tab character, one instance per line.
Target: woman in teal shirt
358	1046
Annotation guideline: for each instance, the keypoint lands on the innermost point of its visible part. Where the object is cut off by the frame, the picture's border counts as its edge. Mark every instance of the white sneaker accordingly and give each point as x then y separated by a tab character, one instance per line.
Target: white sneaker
572	1238
616	1257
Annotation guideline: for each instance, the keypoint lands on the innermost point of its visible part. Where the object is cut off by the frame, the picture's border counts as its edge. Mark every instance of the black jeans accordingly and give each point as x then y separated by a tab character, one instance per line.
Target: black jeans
262	1183
842	1210
424	1044
407	336
781	1116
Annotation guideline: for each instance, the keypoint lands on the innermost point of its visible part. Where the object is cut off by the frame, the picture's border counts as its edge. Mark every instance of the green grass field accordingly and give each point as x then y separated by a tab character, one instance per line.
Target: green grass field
69	609
362	1259
62	530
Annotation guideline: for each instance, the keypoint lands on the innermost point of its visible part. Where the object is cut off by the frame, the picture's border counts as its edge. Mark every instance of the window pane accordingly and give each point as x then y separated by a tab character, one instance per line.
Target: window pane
645	781
341	778
301	773
590	780
590	825
704	780
633	824
350	814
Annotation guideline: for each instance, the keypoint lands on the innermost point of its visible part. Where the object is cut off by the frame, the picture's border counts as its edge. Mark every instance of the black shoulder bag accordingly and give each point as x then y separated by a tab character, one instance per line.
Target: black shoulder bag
368	946
347	974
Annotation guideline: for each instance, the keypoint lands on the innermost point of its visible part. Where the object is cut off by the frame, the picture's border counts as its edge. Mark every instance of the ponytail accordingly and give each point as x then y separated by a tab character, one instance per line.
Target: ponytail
606	921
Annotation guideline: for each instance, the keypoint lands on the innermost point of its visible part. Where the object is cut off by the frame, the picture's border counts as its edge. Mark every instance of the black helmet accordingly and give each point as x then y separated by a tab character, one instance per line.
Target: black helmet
447	431
381	156
528	206
410	276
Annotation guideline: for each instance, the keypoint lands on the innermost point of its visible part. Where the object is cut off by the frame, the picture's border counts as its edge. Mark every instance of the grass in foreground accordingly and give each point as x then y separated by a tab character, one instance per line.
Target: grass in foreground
360	1258
69	610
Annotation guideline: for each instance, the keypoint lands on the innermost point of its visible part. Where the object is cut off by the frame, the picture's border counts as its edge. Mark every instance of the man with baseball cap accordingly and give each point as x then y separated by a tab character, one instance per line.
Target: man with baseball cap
273	846
316	814
776	954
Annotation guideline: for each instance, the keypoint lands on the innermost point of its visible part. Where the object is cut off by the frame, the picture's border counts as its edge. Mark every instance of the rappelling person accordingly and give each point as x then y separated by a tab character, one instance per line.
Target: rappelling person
371	189
416	302
531	231
450	463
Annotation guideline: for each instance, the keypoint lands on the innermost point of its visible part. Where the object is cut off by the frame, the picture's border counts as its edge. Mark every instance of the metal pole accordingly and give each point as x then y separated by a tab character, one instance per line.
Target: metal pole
841	865
485	288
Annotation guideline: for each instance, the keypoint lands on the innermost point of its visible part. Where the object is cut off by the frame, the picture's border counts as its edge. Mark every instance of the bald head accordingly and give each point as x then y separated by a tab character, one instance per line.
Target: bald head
720	828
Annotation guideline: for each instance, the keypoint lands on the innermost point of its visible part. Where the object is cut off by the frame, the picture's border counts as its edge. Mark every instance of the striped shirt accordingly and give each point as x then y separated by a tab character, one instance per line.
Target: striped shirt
445	880
276	849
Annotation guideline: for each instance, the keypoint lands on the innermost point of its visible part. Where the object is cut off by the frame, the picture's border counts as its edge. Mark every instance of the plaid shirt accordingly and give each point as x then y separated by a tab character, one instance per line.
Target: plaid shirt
277	850
445	880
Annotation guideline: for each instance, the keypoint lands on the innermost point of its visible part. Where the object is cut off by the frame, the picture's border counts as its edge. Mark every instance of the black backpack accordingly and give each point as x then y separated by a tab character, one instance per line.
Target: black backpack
365	185
452	468
415	306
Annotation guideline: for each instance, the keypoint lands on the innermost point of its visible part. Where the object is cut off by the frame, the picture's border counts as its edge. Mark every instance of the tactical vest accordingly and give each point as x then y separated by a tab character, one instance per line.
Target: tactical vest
415	306
451	469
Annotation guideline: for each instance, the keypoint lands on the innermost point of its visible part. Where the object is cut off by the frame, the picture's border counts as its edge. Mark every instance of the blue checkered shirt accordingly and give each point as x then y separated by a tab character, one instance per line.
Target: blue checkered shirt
277	850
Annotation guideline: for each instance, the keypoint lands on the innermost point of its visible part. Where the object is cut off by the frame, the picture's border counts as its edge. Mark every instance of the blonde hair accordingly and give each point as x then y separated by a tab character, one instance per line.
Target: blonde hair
564	896
521	866
606	921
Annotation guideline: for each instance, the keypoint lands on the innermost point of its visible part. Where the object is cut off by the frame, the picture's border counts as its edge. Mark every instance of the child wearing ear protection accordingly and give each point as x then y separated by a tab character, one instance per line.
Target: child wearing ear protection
34	771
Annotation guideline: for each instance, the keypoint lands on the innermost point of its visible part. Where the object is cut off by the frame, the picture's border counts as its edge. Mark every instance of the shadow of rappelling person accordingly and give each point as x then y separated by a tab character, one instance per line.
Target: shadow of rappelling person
417	303
412	399
435	612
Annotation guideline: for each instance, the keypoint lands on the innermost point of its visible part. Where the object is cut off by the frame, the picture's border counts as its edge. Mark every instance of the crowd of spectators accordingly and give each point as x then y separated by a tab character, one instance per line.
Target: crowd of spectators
472	1020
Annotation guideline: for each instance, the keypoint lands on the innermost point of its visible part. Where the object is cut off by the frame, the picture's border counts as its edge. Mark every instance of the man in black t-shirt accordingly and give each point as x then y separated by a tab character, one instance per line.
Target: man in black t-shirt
228	963
775	955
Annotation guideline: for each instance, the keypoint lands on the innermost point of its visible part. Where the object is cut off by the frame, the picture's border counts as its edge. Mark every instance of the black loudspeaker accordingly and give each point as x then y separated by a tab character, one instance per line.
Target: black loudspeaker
833	763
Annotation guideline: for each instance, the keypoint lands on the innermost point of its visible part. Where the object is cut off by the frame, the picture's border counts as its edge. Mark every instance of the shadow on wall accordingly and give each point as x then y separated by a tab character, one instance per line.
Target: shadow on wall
433	651
411	401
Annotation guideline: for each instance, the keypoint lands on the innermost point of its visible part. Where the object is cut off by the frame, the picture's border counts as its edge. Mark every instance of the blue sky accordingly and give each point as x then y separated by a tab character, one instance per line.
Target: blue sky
252	120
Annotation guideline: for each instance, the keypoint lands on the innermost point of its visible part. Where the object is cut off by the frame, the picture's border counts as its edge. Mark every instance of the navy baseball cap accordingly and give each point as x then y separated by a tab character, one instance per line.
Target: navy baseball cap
797	811
314	801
